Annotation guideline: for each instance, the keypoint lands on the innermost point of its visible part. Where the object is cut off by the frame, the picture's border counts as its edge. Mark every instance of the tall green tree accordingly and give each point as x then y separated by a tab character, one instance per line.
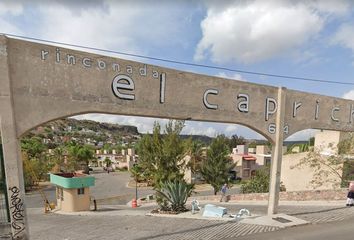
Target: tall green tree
236	140
37	163
33	147
79	157
216	166
58	157
196	151
161	155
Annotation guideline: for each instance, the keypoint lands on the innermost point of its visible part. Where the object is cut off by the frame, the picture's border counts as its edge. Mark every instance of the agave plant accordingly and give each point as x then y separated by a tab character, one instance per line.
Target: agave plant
176	194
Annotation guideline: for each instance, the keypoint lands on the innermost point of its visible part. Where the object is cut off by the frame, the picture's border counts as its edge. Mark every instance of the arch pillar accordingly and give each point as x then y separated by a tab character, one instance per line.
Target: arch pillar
11	151
277	154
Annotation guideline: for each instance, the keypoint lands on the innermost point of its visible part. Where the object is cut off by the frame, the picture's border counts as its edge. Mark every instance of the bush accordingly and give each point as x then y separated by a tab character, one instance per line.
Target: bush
173	195
122	169
259	183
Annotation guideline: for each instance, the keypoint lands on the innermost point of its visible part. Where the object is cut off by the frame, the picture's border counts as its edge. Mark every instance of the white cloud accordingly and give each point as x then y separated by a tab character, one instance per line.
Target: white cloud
200	128
251	31
303	135
230	130
330	6
120	25
349	95
11	7
7	27
345	36
234	76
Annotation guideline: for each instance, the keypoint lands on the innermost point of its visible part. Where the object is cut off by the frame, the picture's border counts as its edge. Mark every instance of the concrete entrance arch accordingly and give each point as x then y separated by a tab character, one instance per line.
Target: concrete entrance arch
39	83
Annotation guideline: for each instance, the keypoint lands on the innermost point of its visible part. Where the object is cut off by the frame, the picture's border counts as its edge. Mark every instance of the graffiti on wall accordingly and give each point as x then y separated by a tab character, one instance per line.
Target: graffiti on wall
17	212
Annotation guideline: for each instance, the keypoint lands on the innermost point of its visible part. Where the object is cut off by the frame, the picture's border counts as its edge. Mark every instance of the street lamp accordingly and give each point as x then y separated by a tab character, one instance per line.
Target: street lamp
136	183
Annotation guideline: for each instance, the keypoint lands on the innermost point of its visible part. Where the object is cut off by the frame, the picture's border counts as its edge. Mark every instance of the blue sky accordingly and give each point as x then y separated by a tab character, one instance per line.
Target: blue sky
312	39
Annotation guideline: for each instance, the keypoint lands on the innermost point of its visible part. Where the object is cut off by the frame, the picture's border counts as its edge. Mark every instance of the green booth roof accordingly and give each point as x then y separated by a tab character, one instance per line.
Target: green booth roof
72	180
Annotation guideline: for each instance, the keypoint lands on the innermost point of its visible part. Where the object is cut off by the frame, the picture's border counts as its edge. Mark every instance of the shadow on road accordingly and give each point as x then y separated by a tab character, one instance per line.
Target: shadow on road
187	231
318	211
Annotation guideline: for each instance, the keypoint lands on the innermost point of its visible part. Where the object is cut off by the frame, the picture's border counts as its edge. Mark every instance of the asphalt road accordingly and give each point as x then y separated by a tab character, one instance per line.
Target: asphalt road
343	230
109	189
112	187
127	223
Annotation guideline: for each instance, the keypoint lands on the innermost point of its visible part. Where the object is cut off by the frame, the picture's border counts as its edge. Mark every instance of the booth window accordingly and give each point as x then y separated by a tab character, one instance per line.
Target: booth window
80	191
60	194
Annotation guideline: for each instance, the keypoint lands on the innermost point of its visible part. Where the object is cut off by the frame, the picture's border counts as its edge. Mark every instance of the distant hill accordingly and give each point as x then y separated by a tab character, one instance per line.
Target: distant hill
202	138
100	133
86	132
94	133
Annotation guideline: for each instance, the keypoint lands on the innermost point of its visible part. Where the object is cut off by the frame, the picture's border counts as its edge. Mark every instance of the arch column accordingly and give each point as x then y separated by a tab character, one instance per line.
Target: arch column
11	151
277	154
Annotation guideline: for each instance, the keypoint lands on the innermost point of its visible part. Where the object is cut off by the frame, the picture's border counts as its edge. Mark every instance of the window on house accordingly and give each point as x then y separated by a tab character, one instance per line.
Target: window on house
80	191
246	173
60	193
267	161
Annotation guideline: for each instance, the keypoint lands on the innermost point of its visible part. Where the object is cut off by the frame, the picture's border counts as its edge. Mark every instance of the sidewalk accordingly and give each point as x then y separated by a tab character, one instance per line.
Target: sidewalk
291	213
140	222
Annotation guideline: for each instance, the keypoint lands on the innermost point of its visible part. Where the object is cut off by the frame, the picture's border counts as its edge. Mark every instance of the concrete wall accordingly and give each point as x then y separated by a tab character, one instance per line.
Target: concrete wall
327	141
72	202
299	179
318	195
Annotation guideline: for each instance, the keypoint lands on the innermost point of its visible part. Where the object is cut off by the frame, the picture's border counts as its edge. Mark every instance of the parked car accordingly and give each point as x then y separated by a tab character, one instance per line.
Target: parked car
233	176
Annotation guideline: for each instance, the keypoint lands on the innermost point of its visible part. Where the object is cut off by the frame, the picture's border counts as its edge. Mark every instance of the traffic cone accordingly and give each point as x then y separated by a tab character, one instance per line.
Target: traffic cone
134	203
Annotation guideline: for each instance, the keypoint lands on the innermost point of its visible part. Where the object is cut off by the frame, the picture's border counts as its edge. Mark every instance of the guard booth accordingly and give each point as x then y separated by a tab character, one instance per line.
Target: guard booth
4	206
72	191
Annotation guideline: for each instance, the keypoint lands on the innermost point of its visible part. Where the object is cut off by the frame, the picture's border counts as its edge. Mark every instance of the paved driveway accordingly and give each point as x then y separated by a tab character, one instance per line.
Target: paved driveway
127	223
109	189
112	187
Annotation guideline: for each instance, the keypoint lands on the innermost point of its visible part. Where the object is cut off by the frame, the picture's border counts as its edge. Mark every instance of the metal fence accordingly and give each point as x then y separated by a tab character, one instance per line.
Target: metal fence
4	210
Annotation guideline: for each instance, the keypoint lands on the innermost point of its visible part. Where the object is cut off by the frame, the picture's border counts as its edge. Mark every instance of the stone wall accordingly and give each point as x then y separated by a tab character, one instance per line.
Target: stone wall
317	195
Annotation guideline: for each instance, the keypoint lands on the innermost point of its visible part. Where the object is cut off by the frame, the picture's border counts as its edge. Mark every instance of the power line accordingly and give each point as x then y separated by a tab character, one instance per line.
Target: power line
183	63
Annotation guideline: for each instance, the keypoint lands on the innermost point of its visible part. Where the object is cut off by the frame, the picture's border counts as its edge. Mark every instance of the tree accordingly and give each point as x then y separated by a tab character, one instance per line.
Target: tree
217	165
335	167
161	156
36	160
311	141
259	183
107	162
79	157
136	172
58	157
195	149
33	147
236	140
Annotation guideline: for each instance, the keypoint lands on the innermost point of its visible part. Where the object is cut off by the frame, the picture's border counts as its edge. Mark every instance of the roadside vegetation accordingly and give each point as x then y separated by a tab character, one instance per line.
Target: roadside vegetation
216	166
334	166
38	162
164	157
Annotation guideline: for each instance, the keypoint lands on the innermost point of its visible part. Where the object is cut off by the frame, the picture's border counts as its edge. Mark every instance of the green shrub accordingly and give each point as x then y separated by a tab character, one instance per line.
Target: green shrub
259	183
173	195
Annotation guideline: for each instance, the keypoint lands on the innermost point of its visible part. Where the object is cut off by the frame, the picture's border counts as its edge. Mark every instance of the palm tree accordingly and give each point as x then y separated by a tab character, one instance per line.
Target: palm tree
197	155
80	155
58	157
